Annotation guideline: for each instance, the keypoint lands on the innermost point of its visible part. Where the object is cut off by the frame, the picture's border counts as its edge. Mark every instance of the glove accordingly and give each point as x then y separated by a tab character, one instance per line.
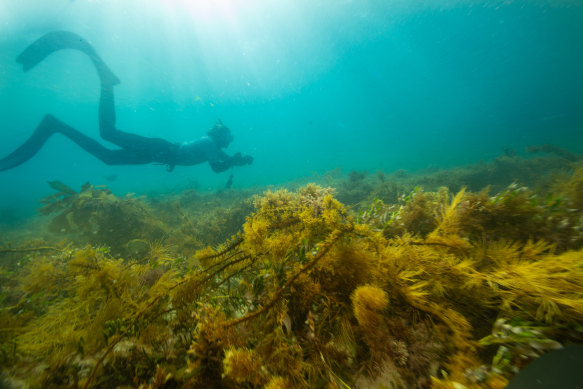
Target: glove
247	160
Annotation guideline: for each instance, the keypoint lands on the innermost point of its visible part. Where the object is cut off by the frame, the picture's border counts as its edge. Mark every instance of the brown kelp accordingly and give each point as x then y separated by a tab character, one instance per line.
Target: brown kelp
444	289
96	216
126	225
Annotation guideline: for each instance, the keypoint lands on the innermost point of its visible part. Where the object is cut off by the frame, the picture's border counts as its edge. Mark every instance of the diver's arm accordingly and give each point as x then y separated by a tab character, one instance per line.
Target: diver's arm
237	159
225	161
219	166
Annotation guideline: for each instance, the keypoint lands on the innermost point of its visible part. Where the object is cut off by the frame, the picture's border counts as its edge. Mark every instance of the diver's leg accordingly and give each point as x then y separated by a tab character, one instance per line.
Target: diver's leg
58	40
107	128
109	157
107	119
157	148
107	116
51	125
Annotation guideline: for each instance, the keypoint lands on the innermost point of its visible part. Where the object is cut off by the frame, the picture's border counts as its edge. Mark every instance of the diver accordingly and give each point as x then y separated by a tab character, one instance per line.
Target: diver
134	149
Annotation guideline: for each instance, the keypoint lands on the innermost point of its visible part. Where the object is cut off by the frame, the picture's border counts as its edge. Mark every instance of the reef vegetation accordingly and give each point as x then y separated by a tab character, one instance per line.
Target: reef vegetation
436	279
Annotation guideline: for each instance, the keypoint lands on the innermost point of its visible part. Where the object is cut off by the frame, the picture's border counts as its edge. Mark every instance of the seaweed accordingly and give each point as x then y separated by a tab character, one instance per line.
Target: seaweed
435	289
96	216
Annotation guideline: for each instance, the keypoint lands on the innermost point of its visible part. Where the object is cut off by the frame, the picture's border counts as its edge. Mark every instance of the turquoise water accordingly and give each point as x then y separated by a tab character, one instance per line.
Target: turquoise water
305	86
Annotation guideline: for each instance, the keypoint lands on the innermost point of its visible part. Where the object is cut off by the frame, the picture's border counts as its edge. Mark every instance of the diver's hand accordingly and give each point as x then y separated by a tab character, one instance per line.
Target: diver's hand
240	160
237	159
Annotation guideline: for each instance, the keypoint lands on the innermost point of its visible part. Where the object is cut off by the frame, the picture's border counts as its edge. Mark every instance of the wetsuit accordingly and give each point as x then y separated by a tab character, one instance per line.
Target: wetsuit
135	149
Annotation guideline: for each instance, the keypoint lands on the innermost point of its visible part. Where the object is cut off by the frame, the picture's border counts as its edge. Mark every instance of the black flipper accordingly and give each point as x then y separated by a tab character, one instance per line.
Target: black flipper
58	40
28	149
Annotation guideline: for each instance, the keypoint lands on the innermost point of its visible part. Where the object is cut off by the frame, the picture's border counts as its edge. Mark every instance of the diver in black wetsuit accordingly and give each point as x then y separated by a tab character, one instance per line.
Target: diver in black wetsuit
135	149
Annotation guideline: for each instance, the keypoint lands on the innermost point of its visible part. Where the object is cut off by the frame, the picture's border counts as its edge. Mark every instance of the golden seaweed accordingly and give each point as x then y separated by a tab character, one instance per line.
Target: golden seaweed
442	289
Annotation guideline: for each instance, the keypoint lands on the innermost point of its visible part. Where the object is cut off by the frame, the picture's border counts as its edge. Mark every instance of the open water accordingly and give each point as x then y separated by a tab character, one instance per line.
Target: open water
306	86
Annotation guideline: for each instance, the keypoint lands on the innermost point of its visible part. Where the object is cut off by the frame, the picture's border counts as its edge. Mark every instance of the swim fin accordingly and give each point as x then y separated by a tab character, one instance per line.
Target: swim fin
58	40
25	152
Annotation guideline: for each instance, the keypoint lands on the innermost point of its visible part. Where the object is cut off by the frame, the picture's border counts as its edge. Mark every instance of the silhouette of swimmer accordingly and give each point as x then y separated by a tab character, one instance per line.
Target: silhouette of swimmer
134	149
